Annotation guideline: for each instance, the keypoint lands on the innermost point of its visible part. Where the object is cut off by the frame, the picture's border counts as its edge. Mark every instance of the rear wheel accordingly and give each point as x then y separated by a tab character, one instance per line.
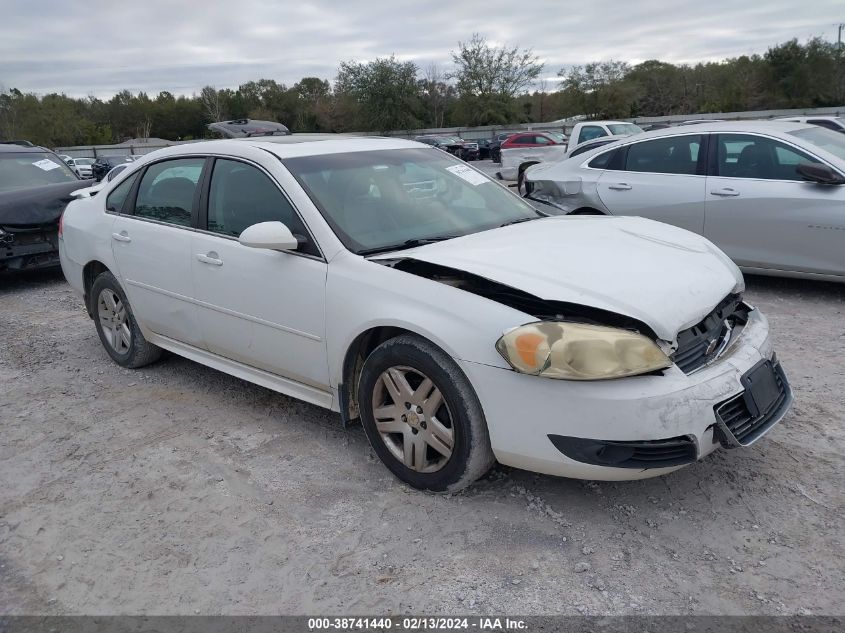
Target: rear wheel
116	325
422	416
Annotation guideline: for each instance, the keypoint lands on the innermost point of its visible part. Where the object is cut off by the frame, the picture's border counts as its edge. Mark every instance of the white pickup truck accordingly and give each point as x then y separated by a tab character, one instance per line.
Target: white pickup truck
517	156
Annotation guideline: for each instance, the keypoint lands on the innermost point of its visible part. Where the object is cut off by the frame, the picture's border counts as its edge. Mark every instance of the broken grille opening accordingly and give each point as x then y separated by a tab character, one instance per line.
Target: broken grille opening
706	340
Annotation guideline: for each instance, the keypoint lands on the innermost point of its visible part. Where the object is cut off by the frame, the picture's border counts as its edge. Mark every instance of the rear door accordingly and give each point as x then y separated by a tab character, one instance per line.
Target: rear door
259	307
151	242
763	215
661	179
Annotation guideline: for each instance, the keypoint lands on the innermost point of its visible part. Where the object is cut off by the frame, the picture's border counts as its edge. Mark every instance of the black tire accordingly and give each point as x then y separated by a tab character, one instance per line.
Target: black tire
471	456
139	351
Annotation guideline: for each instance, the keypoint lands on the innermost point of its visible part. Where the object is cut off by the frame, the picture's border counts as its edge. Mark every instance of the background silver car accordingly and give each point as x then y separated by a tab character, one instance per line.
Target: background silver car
770	194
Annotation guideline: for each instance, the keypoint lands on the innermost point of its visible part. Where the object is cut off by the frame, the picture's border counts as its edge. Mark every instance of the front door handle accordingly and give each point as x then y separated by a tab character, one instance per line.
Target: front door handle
123	236
210	258
620	186
727	192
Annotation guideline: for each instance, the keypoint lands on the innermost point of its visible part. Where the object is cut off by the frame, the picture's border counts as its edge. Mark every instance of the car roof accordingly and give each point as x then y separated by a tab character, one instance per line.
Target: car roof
294	145
13	148
739	127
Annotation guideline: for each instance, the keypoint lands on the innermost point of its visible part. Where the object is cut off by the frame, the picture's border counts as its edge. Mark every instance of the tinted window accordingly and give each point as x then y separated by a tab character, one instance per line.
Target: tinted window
241	195
589	132
672	155
600	161
114	172
118	195
524	139
167	190
747	156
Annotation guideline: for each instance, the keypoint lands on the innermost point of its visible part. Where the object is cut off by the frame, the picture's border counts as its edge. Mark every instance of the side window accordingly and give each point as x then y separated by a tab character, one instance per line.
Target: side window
523	139
167	189
114	172
241	195
600	161
672	155
118	196
748	156
542	140
589	132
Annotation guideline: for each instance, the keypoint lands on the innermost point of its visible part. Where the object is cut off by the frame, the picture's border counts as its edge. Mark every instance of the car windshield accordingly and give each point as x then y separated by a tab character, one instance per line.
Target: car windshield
622	129
392	199
84	161
32	169
560	138
822	137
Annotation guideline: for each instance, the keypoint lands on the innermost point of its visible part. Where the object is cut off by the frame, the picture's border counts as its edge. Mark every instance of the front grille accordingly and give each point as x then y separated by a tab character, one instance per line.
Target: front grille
738	427
705	341
642	454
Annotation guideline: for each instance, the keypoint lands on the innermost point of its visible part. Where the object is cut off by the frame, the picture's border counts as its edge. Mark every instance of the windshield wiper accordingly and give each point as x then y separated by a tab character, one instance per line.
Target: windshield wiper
417	241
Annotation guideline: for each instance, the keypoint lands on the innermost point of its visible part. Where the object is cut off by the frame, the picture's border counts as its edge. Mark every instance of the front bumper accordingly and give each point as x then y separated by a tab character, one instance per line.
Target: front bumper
28	250
524	412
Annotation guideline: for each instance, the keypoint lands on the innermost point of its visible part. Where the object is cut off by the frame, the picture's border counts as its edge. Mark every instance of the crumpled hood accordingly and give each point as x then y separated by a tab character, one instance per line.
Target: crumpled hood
37	205
659	274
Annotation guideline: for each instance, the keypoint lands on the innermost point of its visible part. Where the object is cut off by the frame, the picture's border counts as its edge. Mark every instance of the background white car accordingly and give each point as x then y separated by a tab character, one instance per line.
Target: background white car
82	166
391	282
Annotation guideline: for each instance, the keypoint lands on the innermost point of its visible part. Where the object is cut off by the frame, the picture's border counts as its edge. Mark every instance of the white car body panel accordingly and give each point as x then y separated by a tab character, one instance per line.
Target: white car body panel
286	321
513	157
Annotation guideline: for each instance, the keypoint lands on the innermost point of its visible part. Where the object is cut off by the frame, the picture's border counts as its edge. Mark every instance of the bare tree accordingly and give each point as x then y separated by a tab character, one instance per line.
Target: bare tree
142	130
211	103
434	88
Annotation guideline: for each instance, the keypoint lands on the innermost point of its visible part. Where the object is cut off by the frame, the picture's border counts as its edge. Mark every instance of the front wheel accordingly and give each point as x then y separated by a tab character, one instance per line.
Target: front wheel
422	417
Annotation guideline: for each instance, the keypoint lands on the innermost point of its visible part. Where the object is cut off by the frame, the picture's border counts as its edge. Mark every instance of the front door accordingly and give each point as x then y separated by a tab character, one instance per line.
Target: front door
764	215
259	307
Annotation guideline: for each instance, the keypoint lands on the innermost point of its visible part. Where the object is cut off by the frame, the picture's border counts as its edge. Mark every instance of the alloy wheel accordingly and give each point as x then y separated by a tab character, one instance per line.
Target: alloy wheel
113	320
413	419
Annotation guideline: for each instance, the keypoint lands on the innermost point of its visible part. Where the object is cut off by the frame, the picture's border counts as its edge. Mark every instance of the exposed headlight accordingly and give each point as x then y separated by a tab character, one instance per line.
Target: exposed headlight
576	351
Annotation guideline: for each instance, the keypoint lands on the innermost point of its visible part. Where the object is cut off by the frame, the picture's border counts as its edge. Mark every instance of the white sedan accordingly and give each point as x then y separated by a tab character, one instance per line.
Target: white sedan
392	282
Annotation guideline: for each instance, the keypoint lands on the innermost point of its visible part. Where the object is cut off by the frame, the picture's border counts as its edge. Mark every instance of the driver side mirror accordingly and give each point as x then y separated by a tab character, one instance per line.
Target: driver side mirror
821	174
270	235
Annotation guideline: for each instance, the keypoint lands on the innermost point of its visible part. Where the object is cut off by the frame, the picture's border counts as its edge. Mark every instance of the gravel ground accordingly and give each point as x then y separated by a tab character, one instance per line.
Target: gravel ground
176	489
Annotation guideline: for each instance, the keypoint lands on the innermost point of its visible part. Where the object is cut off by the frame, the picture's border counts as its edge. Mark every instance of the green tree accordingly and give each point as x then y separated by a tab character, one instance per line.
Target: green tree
489	78
383	92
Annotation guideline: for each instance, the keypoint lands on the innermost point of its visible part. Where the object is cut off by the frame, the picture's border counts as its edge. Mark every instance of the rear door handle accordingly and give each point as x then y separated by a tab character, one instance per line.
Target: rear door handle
620	186
726	192
210	258
123	236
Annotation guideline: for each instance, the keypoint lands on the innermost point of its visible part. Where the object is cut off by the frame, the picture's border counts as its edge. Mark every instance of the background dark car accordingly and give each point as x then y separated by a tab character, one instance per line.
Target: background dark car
35	187
496	146
104	164
451	144
483	148
242	128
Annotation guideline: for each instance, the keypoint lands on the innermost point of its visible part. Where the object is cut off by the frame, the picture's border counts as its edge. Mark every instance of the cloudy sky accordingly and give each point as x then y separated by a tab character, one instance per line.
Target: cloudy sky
98	47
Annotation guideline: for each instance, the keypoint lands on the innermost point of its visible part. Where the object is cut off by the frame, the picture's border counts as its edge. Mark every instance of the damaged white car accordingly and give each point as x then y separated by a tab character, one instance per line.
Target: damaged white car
391	282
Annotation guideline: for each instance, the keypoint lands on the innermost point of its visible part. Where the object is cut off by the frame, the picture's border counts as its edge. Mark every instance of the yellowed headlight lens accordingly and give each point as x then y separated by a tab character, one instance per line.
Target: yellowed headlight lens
577	351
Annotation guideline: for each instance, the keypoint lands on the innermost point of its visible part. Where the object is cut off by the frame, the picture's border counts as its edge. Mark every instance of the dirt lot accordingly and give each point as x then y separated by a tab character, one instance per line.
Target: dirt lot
176	489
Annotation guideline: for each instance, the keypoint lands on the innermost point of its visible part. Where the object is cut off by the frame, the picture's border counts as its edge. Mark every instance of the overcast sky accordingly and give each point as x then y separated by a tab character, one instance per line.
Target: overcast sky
99	47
